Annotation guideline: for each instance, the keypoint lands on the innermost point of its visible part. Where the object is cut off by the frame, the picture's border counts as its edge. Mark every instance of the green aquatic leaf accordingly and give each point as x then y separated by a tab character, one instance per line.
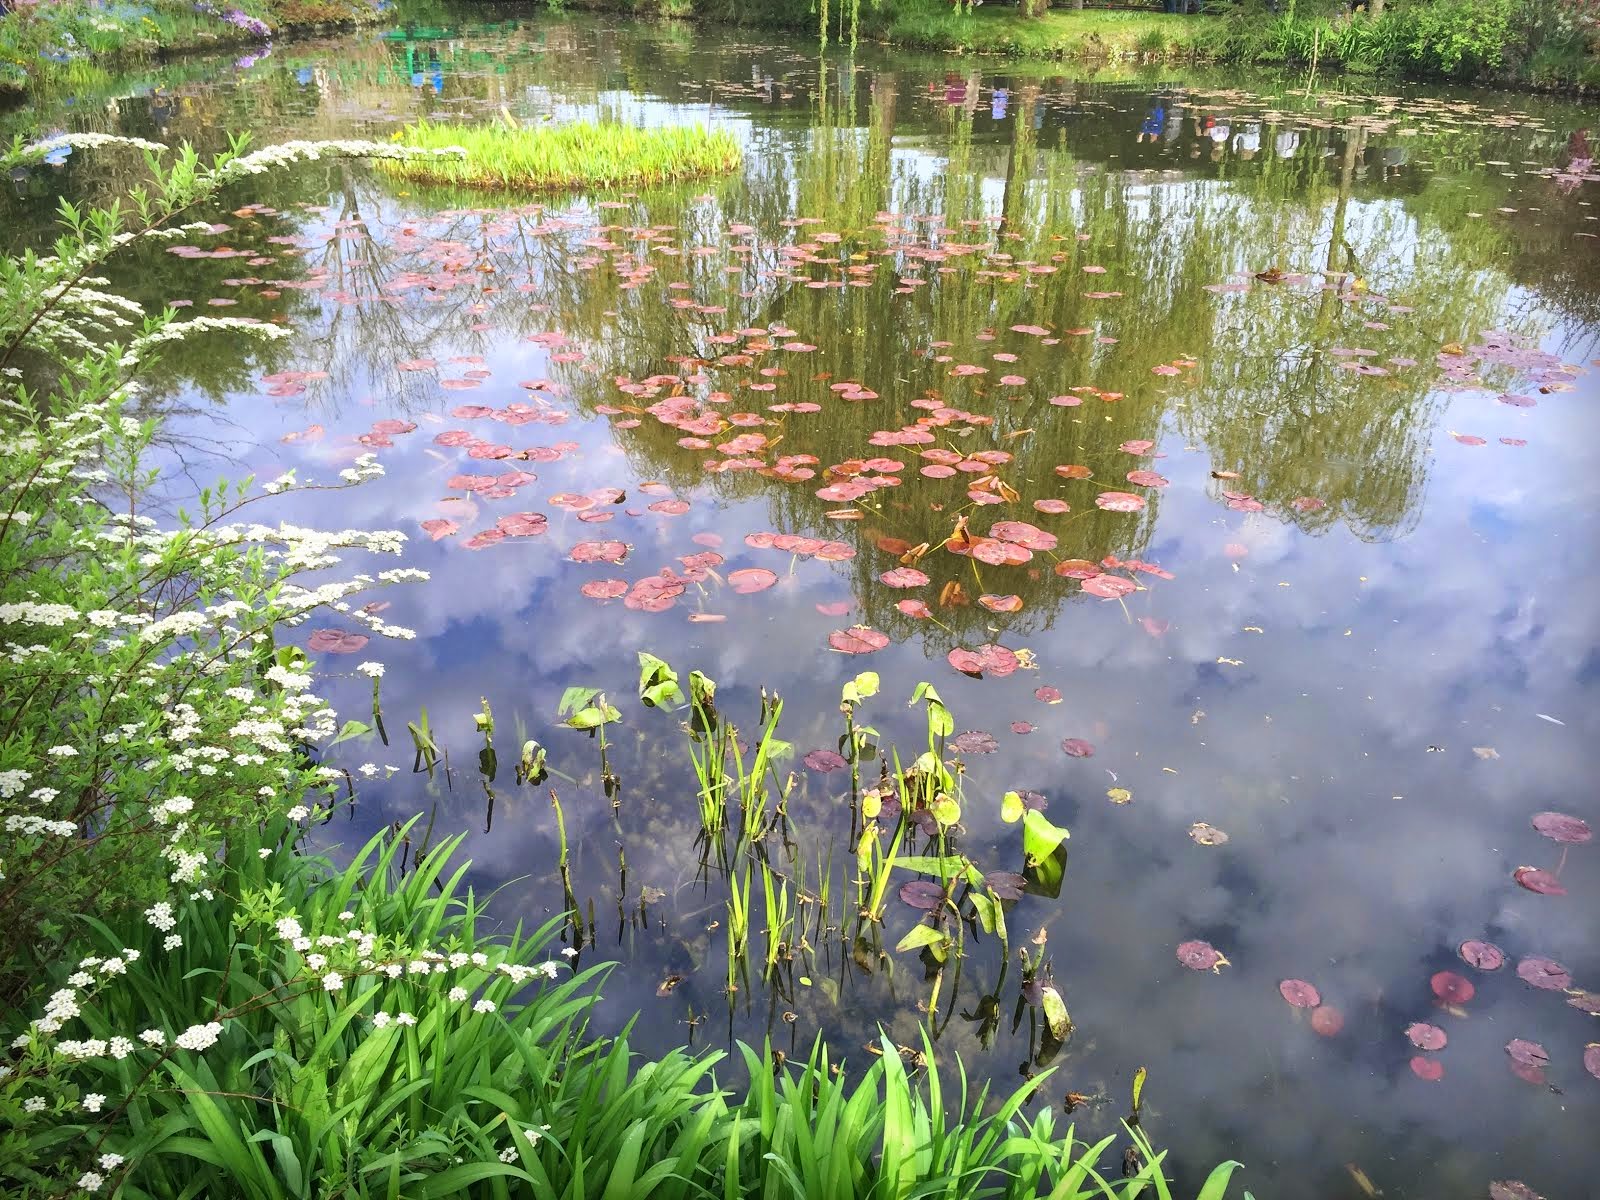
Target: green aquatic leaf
1012	808
658	682
1055	1012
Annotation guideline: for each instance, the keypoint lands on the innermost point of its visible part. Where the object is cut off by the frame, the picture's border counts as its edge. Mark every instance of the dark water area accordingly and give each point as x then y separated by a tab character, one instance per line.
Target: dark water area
1286	392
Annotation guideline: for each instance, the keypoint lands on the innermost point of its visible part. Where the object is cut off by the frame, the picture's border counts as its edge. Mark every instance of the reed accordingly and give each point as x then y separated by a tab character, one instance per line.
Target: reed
561	157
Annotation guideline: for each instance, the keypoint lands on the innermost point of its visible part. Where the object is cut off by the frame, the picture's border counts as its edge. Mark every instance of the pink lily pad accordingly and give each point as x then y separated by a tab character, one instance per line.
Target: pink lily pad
1426	1037
858	639
1537	879
337	641
1486	956
1559	827
1299	993
748	580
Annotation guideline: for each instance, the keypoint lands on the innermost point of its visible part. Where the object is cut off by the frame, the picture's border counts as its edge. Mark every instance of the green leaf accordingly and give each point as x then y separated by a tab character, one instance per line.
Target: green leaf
658	682
575	698
1055	1012
923	935
946	811
1039	837
1012	808
860	688
594	716
350	729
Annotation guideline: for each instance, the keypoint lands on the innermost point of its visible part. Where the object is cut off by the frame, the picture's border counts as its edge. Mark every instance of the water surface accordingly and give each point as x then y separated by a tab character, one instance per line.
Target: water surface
1345	342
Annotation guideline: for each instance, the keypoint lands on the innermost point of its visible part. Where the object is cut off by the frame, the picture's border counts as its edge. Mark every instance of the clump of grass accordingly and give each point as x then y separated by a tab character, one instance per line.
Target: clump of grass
556	157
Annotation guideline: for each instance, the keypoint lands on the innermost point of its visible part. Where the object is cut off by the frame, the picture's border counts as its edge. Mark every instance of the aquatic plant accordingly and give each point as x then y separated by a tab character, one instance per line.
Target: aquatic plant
580	155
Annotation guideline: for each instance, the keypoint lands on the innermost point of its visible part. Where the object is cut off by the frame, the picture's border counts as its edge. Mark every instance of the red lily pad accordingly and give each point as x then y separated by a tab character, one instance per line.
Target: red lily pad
523	524
337	641
1486	956
1591	1059
1077	568
748	580
1559	827
824	760
975	741
987	659
438	528
923	894
605	589
1512	1189
1200	956
1429	1069
1052	506
1109	587
1138	446
1007	885
1078	748
1537	879
1073	471
606	552
858	639
1452	988
1048	694
1125	502
1020	533
903	577
1426	1037
1544	973
1001	604
915	608
1299	993
1326	1021
1527	1054
1147	479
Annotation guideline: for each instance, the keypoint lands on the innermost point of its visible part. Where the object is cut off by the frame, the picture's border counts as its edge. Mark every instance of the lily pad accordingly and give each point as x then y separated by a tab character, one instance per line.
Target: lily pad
1544	973
1486	956
1560	827
1299	993
1425	1036
858	639
1201	956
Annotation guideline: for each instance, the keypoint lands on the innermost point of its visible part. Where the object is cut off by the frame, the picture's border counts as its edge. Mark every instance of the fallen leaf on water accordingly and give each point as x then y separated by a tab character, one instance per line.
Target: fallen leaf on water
1118	795
1207	835
1426	1037
337	641
1559	827
1299	993
1537	879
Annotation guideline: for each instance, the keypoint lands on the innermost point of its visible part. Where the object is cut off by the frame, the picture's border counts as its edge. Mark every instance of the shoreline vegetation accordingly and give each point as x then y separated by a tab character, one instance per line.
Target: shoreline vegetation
1550	45
556	157
195	1003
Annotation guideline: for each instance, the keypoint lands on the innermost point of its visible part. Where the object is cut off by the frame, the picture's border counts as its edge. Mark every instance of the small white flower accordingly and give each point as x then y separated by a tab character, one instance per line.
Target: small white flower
172	941
569	952
120	1048
457	994
93	1102
90	1181
547	968
289	929
534	1134
265	852
483	1006
316	961
509	1154
298	813
153	1037
332	981
372	670
80	979
114	966
110	1162
404	1019
347	915
380	1020
36	1104
62	752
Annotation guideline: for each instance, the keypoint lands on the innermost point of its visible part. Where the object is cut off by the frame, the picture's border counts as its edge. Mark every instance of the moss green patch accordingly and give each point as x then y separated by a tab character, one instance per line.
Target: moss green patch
558	157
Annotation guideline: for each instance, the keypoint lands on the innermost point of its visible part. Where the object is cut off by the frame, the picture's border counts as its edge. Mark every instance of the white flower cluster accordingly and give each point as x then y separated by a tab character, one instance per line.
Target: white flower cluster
85	141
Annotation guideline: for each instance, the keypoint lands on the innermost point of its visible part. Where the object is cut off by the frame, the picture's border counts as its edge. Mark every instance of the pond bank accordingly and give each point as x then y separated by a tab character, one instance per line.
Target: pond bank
49	42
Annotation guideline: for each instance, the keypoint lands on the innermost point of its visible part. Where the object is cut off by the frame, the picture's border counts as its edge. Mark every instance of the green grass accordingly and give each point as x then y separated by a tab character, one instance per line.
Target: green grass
566	156
1085	35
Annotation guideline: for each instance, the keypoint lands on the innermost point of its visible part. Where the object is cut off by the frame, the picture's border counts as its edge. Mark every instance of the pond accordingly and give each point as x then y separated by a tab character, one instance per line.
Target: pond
1221	448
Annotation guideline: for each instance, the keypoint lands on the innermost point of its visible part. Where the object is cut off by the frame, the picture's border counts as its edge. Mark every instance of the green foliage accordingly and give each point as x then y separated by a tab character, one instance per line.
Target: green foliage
564	156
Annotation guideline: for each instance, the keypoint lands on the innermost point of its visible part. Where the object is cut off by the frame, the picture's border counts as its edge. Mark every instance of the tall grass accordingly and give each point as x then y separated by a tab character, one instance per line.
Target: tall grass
566	156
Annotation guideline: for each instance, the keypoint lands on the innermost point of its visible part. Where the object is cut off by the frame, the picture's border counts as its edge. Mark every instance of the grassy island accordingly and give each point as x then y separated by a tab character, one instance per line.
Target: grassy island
555	157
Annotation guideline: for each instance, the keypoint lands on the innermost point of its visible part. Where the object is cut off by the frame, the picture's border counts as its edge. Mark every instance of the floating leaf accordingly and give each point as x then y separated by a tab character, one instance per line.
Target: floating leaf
1591	1059
858	639
903	577
337	641
1299	993
1077	748
1201	956
1426	1037
1512	1189
1007	885
994	660
1119	795
1327	1021
1429	1069
607	552
605	589
1452	988
1559	827
1123	502
1109	587
1544	973
975	741
1011	807
1486	956
1040	837
923	894
1537	879
748	580
1527	1054
1207	835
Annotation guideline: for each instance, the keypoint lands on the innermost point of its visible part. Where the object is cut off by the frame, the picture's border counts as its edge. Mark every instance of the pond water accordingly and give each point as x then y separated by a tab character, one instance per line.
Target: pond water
1266	408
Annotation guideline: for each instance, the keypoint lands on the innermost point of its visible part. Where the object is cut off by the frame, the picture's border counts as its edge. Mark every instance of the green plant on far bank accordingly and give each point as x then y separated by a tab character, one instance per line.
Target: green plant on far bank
546	158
